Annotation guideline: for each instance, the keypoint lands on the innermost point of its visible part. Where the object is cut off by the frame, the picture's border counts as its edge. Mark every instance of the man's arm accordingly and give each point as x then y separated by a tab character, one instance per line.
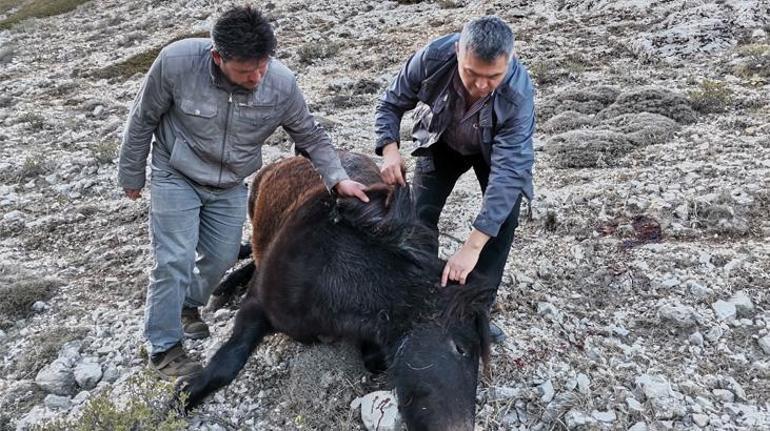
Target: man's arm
153	100
399	97
511	168
309	137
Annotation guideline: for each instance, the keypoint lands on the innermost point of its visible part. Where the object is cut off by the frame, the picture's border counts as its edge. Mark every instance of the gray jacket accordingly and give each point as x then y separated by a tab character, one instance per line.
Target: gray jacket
507	124
210	130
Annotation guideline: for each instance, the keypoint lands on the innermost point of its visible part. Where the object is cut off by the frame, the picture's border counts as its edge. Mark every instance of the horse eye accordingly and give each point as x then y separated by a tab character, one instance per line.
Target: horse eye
459	349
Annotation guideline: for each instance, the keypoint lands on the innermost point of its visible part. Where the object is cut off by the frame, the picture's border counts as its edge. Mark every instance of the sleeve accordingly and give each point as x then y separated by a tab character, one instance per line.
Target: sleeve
153	100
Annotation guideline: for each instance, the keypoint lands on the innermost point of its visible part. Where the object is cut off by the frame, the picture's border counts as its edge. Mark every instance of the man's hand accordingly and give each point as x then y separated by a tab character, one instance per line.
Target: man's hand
462	263
350	188
393	169
133	194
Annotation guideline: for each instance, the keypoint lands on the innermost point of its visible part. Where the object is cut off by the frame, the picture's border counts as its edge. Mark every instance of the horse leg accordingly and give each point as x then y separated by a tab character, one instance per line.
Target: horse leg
373	356
251	326
230	285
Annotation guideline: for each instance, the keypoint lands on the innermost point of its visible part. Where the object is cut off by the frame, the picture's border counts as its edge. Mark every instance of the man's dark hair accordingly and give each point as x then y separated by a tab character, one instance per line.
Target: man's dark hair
243	33
488	37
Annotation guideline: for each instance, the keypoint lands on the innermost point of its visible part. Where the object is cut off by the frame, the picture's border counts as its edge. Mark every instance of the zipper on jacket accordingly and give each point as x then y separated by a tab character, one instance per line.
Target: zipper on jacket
224	139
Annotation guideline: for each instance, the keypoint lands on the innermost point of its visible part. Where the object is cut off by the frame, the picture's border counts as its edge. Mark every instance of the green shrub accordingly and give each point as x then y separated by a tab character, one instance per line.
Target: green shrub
105	152
35	9
150	405
317	50
711	97
19	295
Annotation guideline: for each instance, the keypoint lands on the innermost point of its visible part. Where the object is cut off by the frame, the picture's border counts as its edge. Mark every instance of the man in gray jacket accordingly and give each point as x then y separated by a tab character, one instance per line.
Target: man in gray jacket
210	104
478	113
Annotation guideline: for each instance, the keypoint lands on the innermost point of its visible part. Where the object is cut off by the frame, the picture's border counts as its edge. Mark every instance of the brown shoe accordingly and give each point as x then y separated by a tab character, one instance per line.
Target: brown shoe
192	324
174	363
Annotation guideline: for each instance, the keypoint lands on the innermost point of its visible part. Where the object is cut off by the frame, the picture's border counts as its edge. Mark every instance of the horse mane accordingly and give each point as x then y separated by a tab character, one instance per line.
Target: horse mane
388	217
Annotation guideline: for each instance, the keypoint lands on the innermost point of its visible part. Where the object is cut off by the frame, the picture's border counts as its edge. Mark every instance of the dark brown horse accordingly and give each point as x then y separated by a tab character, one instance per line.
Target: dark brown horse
340	268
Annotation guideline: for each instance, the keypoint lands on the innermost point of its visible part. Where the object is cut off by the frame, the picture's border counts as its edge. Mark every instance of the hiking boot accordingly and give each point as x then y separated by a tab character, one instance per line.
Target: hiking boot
192	325
496	335
174	363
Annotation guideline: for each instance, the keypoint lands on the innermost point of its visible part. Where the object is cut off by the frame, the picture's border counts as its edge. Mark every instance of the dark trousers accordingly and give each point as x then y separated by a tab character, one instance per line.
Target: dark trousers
433	182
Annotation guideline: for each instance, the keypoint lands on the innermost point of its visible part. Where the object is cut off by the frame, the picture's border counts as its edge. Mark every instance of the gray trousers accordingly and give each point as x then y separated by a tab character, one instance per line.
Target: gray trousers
196	233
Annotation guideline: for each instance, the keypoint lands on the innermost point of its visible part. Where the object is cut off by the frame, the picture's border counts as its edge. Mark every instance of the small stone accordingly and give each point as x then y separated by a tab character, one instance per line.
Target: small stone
653	386
743	305
379	411
681	315
606	417
700	419
714	334
88	374
111	374
699	291
56	378
639	426
546	391
39	306
14	216
576	419
2	334
634	405
764	344
724	310
583	384
81	397
545	309
724	395
696	339
222	315
57	402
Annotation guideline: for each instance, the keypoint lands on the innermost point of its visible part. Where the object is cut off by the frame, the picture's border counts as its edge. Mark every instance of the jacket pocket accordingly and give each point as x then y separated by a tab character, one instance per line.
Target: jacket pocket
198	109
257	115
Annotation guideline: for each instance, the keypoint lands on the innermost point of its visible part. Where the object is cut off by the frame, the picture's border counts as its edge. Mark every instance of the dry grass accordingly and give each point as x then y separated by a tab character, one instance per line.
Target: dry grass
139	63
34	9
19	292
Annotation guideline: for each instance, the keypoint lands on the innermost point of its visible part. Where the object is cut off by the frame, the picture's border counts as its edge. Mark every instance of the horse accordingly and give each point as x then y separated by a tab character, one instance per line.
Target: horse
344	269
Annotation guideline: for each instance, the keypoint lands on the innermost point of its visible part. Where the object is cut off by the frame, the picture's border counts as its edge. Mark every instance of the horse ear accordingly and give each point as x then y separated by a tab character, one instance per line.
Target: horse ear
482	328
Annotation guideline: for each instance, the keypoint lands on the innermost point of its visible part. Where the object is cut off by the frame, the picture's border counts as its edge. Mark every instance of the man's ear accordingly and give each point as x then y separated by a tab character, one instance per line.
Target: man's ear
216	56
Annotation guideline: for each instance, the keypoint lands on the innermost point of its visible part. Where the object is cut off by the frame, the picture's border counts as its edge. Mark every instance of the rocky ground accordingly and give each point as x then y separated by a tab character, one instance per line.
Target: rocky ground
636	295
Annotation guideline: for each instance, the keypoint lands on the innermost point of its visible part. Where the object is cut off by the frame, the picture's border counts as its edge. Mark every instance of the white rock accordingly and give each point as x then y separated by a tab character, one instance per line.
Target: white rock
88	374
653	386
696	339
14	216
583	384
56	378
110	374
57	402
606	417
37	416
724	310
700	420
546	309
639	426
546	391
39	306
222	315
80	397
678	314
743	305
379	411
764	344
699	291
634	405
2	334
714	334
577	419
724	395
502	393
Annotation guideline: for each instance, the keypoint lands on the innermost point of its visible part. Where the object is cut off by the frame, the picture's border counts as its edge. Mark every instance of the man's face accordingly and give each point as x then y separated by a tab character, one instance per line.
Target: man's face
480	77
247	74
